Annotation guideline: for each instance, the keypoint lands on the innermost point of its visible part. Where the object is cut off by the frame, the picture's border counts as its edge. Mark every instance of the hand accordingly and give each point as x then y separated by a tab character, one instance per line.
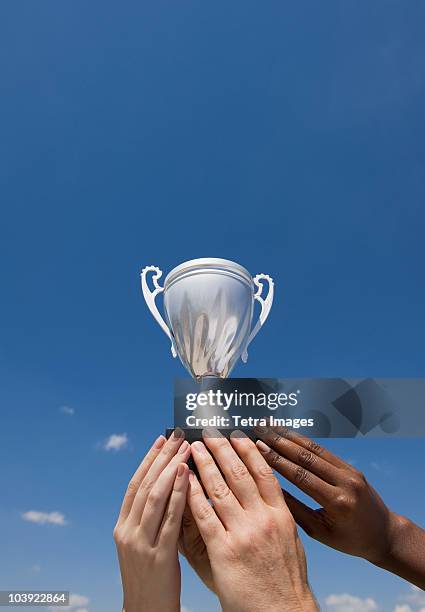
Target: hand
353	517
192	546
148	527
257	559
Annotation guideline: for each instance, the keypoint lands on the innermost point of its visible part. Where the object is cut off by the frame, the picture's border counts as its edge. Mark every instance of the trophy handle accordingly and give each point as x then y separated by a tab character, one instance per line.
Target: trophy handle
150	300
266	305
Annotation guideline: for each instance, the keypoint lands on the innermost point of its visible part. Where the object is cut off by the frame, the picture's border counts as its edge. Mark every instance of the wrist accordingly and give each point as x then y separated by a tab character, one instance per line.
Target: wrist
152	606
294	603
397	530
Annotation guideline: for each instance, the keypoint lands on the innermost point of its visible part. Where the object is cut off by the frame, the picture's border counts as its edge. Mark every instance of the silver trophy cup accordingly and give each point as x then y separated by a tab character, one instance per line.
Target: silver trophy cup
209	306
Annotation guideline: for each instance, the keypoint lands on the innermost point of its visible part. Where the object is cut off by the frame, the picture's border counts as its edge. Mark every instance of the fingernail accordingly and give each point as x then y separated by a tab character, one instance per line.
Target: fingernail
178	433
238	435
211	432
183	448
181	469
192	477
199	448
263	448
159	442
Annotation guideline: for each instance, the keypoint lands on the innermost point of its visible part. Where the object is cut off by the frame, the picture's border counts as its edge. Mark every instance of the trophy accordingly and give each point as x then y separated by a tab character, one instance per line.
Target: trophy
209	306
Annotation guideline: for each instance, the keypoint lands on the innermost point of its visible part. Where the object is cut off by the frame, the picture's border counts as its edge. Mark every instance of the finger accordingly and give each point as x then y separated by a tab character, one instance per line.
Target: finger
306	517
166	452
235	471
170	527
223	499
190	540
307	456
318	489
310	445
156	503
153	481
209	525
260	470
138	477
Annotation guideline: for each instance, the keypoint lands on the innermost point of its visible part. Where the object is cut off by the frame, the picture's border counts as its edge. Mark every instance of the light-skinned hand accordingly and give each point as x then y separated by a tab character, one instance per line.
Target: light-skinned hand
148	527
256	558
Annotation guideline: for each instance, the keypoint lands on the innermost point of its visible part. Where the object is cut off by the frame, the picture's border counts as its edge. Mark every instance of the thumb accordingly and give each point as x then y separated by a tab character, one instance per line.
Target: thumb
305	516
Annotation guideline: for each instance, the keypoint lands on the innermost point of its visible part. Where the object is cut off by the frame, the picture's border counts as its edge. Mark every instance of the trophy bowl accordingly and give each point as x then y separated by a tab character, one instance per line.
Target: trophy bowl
209	305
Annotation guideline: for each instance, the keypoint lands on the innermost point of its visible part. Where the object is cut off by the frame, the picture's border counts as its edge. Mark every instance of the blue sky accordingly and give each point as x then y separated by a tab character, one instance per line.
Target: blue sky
285	136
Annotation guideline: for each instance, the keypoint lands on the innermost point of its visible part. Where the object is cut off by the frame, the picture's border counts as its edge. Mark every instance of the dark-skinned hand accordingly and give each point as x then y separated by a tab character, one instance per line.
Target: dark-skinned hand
353	518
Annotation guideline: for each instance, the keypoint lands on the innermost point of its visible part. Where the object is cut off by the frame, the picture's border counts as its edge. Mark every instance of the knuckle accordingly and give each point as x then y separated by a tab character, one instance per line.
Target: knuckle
161	557
274	459
122	538
220	442
204	511
283	432
146	487
360	477
116	534
208	462
301	475
343	502
315	448
220	490
247	540
154	498
178	488
196	492
132	487
355	483
238	470
168	450
127	542
265	472
275	438
305	457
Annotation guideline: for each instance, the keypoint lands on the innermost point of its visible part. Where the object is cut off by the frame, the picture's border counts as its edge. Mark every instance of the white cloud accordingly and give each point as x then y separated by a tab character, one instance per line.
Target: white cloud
184	609
44	518
115	442
349	603
77	603
412	601
67	410
78	600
